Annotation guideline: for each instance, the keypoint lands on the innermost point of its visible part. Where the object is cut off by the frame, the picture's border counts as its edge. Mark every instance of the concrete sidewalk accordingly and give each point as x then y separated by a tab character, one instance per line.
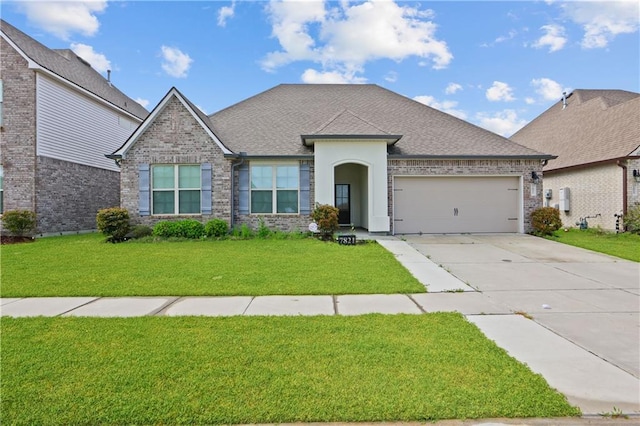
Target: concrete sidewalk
589	381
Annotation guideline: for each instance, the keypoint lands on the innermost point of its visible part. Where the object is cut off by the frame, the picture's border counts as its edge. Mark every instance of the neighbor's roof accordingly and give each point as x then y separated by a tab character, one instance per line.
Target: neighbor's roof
67	65
272	123
595	126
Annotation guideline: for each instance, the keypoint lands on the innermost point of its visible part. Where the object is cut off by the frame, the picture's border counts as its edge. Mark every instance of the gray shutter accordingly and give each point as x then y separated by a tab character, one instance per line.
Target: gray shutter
305	190
144	190
205	188
243	189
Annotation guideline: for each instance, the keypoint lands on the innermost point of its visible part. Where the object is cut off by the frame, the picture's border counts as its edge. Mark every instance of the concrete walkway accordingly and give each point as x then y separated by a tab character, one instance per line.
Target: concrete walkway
510	297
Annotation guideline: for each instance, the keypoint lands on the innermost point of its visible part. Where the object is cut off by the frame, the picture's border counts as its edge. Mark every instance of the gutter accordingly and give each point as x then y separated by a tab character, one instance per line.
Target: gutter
623	166
234	166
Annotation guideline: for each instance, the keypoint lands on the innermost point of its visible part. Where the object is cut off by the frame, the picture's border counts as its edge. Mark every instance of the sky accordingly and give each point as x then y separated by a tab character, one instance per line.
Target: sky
496	64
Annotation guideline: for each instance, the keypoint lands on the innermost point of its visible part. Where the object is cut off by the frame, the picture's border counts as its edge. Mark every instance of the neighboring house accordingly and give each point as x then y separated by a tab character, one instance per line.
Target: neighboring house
58	116
596	136
389	163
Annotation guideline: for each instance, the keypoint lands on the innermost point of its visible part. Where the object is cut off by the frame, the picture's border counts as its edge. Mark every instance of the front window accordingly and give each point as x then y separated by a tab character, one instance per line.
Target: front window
274	189
176	189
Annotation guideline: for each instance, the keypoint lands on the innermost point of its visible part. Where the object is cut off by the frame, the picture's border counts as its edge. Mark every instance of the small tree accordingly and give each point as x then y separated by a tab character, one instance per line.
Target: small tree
19	222
631	220
546	220
113	222
326	217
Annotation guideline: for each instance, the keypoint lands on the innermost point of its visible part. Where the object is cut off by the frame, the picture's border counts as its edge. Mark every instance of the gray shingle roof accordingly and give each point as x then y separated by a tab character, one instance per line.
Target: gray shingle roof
272	122
596	126
71	67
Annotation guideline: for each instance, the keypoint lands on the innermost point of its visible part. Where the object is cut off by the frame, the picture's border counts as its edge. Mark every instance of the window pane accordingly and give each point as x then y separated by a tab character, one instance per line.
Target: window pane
163	202
261	202
163	177
287	201
261	177
287	177
189	176
189	202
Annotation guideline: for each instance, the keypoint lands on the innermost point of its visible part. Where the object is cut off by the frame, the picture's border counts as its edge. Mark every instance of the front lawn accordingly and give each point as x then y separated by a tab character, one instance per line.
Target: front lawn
248	370
625	246
83	265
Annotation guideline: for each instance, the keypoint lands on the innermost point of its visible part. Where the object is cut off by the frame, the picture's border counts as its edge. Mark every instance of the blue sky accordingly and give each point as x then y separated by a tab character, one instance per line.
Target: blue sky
495	64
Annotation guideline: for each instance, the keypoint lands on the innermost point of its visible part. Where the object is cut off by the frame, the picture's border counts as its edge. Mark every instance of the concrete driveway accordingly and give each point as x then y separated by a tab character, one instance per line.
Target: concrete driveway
589	299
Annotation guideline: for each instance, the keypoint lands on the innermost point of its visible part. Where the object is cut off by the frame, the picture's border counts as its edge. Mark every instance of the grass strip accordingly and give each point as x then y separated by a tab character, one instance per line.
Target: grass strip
83	265
241	370
625	245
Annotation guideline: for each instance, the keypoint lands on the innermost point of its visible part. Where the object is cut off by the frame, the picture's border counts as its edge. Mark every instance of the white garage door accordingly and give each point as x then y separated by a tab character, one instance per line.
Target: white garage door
439	205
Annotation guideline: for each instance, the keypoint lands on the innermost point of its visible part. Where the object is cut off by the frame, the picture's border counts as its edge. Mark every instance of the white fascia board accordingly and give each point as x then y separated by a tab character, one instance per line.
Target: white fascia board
38	68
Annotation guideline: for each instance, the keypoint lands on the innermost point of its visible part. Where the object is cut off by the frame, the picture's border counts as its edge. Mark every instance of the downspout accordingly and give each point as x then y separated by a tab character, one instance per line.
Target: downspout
621	164
234	166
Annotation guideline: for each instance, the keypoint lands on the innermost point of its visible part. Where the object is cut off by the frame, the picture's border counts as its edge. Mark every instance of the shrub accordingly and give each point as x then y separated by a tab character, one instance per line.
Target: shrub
166	229
113	222
545	221
19	222
631	220
190	228
326	217
216	228
140	231
244	232
263	229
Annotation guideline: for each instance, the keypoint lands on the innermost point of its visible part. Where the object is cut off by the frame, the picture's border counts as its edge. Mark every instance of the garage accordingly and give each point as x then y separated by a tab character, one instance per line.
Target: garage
445	204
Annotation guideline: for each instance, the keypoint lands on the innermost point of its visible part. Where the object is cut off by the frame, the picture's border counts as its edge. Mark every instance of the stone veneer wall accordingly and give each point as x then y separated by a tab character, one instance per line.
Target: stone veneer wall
18	132
175	137
429	167
69	195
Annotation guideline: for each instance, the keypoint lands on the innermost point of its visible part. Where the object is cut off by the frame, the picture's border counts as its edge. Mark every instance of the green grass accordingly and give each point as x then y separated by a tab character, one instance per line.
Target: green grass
625	246
86	266
241	370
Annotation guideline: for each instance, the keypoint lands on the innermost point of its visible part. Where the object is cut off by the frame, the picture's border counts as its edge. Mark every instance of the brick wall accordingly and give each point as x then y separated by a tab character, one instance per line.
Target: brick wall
595	190
18	134
175	137
69	195
426	167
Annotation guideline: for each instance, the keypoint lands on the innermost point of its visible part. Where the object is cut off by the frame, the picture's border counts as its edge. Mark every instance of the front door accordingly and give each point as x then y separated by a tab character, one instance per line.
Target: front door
343	203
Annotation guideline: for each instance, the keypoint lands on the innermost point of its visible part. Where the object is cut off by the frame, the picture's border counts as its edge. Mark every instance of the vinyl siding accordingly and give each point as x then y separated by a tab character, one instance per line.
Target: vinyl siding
74	128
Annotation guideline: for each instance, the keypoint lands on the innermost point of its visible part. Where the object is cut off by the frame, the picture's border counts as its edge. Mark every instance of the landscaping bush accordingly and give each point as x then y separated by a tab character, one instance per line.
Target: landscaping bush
631	220
140	231
113	222
190	228
19	222
243	232
545	221
216	228
326	217
263	229
166	229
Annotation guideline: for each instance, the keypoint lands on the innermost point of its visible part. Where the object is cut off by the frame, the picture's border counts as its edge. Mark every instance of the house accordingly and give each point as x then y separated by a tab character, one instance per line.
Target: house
58	116
595	135
389	163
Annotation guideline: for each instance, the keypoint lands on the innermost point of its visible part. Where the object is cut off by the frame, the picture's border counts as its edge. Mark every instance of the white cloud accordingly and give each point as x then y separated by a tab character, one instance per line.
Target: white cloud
549	90
500	91
311	76
175	62
225	13
554	37
603	21
391	77
62	18
452	88
98	61
530	101
143	102
504	122
345	36
445	106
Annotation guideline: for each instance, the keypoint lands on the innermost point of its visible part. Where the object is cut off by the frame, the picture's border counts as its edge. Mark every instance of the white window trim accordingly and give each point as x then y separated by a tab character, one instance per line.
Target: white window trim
176	190
274	190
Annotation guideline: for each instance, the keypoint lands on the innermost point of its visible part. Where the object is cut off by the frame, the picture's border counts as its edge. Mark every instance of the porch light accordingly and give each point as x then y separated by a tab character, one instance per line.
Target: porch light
636	175
535	177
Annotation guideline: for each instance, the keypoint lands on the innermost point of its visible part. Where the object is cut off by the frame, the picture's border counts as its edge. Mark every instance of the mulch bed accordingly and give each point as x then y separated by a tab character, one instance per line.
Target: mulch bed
10	239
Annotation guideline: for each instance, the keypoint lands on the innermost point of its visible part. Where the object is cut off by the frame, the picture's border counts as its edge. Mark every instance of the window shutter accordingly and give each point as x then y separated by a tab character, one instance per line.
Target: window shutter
205	188
243	189
305	190
144	190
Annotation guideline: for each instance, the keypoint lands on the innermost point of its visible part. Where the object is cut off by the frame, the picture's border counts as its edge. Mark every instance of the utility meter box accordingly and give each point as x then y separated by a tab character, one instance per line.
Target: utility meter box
548	194
564	196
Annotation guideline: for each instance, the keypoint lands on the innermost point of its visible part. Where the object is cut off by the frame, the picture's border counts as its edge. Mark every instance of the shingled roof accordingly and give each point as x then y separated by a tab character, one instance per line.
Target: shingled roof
595	126
272	123
67	65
